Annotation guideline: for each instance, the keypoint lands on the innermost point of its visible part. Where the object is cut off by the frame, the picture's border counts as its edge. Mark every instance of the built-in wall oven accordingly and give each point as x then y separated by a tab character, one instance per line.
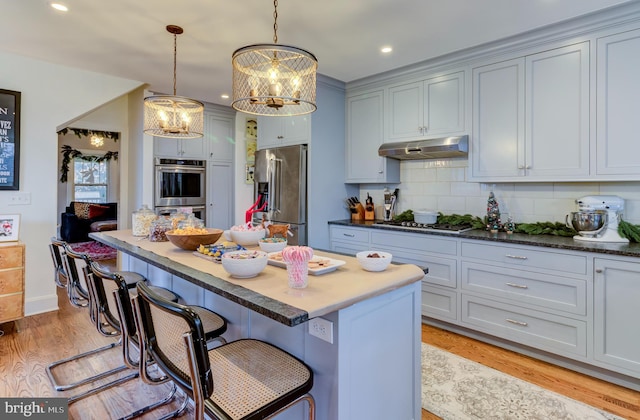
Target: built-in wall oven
180	183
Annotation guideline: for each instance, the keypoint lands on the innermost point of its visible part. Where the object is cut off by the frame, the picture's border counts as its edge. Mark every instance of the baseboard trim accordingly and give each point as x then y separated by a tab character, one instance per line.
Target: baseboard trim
41	305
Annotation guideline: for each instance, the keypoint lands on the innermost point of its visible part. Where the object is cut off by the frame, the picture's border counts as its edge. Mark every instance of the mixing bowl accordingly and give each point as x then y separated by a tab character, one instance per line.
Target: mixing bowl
587	221
192	241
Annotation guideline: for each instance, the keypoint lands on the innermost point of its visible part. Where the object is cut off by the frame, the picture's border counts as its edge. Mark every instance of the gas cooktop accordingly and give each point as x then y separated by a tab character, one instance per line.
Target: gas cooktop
435	227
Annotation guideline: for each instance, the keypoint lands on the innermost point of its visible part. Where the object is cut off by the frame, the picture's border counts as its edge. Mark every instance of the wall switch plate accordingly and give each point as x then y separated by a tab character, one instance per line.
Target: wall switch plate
321	328
20	199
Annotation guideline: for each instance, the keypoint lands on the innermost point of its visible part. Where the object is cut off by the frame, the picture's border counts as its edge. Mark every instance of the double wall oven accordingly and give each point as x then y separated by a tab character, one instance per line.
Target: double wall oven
180	183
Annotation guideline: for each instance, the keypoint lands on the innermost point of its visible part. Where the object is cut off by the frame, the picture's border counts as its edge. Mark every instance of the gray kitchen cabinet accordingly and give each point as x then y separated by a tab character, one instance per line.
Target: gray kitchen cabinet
218	134
220	197
531	117
180	148
616	313
426	108
283	131
618	90
365	134
531	296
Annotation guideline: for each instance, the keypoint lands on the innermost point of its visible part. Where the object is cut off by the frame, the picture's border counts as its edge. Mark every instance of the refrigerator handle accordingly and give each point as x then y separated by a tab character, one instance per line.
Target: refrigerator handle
276	184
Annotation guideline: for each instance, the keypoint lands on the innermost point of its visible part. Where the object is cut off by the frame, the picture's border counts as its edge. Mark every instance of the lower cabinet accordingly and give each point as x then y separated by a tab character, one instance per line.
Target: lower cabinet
568	307
11	281
616	313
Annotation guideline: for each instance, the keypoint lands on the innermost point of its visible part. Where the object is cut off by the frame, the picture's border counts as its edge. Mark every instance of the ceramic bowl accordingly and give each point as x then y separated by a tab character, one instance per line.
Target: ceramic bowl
245	237
191	242
374	260
272	244
244	264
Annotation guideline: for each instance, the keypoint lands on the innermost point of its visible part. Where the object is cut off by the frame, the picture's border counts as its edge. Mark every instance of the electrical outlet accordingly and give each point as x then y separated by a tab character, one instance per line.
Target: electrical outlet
322	329
20	199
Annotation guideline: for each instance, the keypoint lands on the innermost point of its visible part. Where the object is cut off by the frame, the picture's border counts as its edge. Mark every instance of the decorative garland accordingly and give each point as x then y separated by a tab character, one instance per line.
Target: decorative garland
69	153
81	132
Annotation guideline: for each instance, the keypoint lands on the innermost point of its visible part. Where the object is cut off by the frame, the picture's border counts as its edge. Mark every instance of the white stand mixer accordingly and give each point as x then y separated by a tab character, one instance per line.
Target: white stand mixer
614	207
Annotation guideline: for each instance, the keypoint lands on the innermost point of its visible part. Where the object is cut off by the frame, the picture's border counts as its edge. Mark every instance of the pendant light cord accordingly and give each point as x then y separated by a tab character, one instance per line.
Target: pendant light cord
275	21
175	54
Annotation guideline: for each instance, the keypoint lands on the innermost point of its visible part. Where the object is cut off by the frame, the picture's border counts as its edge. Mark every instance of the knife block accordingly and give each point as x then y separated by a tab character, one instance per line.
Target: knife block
369	213
358	214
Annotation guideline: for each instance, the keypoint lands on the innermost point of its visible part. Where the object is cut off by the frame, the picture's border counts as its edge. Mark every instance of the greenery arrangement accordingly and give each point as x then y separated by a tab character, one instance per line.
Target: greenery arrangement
81	132
545	228
69	153
629	231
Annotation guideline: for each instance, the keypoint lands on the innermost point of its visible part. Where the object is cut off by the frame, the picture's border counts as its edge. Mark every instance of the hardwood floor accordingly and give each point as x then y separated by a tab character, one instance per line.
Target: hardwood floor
45	338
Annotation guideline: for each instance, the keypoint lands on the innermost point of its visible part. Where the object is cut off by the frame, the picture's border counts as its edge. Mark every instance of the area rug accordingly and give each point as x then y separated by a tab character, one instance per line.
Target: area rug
455	388
96	250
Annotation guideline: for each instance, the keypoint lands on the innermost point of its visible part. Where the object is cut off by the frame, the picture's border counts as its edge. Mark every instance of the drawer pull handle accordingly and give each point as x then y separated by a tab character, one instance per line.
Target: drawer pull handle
599	270
513	321
350	235
516	257
519	286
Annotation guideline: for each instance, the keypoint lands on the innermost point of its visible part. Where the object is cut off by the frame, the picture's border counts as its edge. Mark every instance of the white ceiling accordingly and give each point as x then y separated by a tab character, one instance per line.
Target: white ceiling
127	38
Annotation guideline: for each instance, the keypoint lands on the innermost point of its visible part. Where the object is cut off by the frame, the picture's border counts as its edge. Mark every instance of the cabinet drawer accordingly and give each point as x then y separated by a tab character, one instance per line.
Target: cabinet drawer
349	234
415	242
564	336
439	303
526	257
552	292
11	307
11	256
11	281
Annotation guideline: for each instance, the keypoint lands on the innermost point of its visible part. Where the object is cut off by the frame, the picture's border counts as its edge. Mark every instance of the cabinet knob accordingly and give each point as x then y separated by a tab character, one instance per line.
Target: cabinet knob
280	137
599	270
528	167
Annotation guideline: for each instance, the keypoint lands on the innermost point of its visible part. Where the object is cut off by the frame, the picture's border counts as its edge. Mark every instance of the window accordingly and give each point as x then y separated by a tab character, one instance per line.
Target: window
90	181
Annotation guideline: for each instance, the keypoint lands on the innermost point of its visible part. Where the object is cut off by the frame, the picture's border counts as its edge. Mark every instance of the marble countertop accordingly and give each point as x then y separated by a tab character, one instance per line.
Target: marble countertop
547	241
268	293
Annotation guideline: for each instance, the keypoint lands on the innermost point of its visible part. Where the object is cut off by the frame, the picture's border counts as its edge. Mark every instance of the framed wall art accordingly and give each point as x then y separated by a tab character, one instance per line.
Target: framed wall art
9	139
9	227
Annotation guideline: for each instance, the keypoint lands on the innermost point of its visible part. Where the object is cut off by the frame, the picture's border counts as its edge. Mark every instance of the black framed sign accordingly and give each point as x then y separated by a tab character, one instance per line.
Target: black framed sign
9	139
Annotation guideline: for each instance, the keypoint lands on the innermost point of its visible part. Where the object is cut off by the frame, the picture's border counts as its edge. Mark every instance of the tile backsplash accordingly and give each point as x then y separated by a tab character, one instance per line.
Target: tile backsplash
440	185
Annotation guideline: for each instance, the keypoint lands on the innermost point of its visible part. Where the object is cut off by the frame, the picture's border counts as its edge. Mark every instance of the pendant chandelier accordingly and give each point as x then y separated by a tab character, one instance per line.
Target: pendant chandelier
173	116
274	79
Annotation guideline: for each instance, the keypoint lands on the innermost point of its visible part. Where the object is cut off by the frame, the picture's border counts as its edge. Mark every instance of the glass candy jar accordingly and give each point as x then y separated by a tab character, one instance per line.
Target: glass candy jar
141	221
159	228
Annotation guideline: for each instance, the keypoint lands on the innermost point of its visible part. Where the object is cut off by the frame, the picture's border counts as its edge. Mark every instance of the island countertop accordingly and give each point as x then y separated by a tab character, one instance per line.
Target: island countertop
268	293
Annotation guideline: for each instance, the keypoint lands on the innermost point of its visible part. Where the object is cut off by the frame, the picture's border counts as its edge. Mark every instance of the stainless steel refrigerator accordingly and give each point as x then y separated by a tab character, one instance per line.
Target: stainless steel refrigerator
280	185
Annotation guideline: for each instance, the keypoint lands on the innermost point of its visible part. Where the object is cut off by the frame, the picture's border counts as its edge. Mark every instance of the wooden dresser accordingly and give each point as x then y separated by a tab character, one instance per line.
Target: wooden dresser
11	281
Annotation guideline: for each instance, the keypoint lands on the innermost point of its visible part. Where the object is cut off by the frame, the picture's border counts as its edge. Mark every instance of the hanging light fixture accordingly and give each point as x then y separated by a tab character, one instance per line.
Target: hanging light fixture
274	79
173	116
97	141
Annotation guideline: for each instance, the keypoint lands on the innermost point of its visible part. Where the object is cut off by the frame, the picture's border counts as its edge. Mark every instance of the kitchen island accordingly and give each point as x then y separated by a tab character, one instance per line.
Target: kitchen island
367	365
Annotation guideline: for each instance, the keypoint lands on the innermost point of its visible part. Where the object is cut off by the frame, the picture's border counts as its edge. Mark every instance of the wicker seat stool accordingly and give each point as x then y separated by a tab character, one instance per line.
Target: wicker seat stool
243	379
78	291
114	300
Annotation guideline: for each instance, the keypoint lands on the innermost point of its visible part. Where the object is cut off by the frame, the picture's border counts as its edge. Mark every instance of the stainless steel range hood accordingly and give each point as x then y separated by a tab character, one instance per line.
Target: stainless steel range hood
427	149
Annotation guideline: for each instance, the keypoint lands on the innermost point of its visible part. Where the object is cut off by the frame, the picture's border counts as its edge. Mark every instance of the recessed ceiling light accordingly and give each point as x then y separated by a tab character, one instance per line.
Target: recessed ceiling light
386	50
59	6
224	96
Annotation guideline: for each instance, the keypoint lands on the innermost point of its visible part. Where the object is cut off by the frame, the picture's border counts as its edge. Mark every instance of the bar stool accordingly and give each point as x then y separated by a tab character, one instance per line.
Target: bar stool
76	266
56	248
243	379
114	299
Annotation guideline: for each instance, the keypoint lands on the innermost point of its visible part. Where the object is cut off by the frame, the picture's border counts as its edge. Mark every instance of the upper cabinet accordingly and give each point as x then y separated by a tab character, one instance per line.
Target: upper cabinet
531	117
618	106
180	148
425	109
365	116
283	131
218	133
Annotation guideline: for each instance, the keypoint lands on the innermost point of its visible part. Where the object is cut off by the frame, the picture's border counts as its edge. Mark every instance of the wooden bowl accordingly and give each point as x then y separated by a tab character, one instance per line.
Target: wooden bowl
191	242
